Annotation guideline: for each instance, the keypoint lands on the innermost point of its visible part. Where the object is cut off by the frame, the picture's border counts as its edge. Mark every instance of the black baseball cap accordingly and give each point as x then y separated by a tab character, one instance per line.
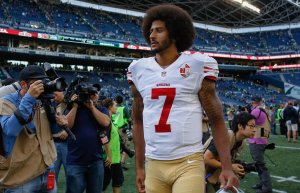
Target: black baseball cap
97	86
256	99
32	72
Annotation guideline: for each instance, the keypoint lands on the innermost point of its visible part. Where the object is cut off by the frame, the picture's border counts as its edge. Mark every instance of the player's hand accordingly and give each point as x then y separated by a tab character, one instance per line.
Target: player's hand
140	180
228	179
36	89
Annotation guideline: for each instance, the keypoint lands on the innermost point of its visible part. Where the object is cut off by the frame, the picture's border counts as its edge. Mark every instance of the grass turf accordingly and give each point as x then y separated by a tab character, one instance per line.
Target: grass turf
286	165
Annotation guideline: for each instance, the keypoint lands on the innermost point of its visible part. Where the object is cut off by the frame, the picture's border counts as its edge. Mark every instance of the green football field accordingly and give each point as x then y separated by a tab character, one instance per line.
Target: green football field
284	169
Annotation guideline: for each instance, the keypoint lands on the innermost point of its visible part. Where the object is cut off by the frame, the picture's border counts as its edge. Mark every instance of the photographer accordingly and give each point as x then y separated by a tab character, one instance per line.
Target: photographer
85	156
243	127
60	136
258	143
28	146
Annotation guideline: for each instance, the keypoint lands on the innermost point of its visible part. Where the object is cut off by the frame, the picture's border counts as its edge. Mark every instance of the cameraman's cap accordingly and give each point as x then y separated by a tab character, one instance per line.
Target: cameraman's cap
256	99
97	86
32	72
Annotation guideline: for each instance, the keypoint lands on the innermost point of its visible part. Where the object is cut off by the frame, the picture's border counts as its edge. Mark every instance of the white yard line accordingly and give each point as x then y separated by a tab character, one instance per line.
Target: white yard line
283	179
279	191
284	147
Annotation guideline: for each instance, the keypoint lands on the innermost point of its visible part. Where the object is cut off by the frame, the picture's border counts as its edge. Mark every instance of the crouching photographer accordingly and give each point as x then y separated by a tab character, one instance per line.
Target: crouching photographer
88	122
28	148
243	127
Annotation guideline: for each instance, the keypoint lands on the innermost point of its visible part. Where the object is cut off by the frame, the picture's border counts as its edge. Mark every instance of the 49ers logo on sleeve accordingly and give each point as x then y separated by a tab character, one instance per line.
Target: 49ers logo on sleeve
185	71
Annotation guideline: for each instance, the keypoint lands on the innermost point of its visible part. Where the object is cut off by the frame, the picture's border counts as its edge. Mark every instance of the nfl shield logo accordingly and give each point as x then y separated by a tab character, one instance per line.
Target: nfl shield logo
185	71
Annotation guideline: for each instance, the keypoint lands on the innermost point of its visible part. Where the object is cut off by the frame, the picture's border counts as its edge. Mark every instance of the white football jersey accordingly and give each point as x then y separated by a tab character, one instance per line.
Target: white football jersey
172	113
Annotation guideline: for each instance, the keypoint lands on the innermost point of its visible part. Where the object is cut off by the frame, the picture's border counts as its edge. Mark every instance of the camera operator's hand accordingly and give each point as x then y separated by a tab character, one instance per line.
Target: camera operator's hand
36	89
74	99
63	135
90	104
61	120
238	169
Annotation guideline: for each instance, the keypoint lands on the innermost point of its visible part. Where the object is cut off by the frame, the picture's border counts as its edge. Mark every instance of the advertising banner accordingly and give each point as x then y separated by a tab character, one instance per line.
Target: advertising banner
292	90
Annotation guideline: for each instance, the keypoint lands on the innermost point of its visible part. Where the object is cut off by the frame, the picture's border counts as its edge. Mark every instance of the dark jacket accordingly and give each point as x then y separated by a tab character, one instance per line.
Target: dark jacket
290	114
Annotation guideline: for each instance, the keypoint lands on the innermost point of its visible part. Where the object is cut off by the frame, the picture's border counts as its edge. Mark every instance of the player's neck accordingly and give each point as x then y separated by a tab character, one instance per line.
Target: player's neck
166	57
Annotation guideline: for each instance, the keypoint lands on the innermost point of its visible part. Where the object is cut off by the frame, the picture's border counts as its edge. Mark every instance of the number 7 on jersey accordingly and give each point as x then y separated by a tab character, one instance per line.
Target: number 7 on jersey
170	93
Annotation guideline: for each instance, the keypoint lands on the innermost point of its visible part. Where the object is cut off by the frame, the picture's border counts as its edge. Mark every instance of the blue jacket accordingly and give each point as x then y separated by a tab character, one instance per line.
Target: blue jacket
10	124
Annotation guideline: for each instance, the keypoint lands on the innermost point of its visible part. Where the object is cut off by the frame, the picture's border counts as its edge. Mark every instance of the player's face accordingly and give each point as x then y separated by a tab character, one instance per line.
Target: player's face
159	37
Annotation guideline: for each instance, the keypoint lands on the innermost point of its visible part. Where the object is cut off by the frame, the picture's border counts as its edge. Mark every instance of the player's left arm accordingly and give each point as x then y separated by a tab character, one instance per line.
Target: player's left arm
213	108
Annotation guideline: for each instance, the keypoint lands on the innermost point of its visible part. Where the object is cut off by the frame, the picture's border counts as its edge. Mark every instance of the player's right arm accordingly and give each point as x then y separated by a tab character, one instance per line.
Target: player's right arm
138	138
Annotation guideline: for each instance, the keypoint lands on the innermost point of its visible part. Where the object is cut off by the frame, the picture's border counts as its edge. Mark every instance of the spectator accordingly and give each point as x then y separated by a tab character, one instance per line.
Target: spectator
230	115
279	117
291	116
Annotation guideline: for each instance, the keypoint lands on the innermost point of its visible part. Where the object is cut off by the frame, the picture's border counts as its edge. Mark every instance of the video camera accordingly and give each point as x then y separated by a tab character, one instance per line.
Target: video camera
84	92
82	88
